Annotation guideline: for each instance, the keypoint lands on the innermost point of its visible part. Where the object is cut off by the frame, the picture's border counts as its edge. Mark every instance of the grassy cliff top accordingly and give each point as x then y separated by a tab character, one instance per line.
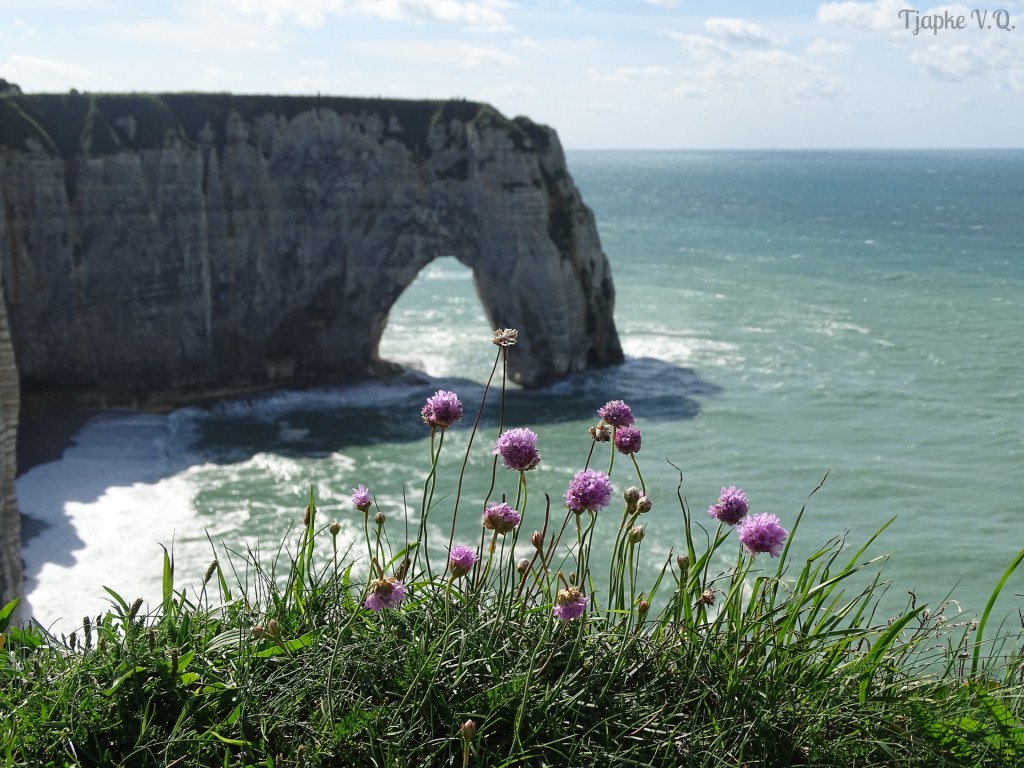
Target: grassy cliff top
94	124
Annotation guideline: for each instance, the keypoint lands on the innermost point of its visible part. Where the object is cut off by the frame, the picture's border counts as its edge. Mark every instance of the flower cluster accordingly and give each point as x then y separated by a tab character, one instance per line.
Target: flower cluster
441	410
589	490
518	449
732	506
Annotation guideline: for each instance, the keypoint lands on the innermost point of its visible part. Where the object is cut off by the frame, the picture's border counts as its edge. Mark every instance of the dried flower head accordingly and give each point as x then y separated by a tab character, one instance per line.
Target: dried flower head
732	506
441	410
505	337
707	597
518	449
384	593
636	534
501	518
361	498
627	440
616	413
762	533
589	490
601	433
569	604
460	560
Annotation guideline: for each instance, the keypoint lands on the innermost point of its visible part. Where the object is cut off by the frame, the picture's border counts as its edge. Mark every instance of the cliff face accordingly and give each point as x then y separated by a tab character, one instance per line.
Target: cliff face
161	248
10	520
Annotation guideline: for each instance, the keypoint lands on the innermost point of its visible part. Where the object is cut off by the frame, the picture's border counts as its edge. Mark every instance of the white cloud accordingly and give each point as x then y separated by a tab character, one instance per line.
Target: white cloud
476	15
199	27
19	66
822	47
878	16
701	46
956	62
474	56
628	74
737	31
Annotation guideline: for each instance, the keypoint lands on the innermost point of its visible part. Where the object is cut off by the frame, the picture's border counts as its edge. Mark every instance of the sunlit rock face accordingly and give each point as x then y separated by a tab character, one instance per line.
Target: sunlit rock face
165	248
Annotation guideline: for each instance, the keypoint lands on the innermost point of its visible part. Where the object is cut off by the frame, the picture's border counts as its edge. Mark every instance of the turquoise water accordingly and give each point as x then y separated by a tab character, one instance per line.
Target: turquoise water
784	315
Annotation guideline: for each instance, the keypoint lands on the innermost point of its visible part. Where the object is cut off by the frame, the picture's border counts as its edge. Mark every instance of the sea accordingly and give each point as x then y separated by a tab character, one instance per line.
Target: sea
788	318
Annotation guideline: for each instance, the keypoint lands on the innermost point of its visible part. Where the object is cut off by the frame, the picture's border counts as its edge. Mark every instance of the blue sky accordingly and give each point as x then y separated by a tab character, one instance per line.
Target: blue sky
626	74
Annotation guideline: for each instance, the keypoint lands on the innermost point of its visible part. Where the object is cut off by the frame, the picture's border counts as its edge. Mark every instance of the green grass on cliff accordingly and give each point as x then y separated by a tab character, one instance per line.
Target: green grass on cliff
515	651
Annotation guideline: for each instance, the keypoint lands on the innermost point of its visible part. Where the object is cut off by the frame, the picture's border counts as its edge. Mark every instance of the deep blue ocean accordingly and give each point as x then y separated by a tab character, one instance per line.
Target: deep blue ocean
784	315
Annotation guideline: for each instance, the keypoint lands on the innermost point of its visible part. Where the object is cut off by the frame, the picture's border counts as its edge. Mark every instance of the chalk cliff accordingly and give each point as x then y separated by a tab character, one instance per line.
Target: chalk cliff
10	521
159	248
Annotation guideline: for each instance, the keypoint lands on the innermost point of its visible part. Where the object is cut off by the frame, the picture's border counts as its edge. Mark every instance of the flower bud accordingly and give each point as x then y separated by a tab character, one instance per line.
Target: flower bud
643	504
632	496
683	562
335	528
636	534
537	539
257	631
572	577
642	607
379	518
523	566
468	730
273	628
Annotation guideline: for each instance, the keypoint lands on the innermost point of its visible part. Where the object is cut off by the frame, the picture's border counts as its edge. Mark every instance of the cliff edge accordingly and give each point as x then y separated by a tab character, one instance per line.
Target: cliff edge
10	520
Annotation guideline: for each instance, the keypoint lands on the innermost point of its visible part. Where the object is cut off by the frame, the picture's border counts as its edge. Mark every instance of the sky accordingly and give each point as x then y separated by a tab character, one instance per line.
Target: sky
622	74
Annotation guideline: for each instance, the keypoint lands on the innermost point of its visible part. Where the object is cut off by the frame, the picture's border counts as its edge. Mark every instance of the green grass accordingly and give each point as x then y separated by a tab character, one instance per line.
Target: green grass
275	661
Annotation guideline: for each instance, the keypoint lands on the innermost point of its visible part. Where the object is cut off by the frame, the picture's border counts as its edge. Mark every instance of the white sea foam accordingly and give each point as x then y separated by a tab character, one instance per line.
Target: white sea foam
103	512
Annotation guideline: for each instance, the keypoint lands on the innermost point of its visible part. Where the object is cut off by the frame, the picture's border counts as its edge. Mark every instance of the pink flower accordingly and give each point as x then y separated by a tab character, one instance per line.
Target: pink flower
442	409
569	604
501	518
762	533
732	506
518	449
627	440
384	593
460	560
590	489
616	413
361	498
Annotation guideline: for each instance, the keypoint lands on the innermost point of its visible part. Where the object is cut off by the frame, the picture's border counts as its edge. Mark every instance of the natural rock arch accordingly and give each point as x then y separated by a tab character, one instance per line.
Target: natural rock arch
264	241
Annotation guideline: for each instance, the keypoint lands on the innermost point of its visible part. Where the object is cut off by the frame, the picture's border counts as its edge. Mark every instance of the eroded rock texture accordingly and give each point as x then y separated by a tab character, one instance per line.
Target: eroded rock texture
10	521
162	248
